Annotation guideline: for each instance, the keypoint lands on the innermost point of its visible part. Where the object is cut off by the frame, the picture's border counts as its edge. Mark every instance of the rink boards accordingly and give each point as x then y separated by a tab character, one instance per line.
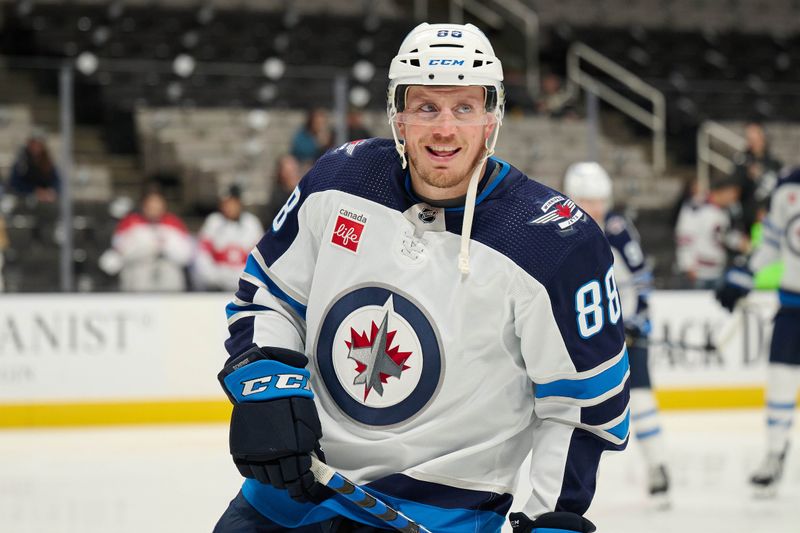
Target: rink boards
113	358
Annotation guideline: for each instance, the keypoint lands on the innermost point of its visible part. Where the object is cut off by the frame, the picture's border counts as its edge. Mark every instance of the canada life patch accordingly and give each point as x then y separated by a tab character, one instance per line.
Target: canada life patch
560	210
348	229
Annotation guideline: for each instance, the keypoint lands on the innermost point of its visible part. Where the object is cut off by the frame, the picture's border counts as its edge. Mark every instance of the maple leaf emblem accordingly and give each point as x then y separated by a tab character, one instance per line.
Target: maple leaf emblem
376	359
563	210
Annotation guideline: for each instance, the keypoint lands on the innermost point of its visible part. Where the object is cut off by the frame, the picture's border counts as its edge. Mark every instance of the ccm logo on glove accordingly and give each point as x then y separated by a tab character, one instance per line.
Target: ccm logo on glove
280	381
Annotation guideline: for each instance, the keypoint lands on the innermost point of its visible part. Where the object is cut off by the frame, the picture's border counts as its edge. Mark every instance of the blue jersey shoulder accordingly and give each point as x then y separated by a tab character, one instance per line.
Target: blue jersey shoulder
369	168
536	226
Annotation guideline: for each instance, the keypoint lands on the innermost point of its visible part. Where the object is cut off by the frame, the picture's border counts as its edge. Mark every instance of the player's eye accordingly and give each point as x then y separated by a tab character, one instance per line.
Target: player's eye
427	108
463	109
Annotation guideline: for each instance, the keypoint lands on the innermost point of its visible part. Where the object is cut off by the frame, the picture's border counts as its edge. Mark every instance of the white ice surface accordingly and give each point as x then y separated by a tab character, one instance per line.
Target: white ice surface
176	479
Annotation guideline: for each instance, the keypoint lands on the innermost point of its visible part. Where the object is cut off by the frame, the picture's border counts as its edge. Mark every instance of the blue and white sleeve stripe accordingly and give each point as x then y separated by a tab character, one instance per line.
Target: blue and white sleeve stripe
595	400
587	388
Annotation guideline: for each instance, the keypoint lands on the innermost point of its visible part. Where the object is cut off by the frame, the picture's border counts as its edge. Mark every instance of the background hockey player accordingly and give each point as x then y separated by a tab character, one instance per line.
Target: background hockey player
591	187
428	316
781	240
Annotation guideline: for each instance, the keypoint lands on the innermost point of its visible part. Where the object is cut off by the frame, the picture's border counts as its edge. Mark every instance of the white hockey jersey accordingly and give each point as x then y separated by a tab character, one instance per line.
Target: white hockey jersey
781	239
703	236
432	386
224	245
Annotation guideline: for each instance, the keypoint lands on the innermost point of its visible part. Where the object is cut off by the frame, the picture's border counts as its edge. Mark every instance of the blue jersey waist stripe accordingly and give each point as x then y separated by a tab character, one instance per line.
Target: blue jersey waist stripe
584	389
252	267
279	507
232	308
443	495
788	298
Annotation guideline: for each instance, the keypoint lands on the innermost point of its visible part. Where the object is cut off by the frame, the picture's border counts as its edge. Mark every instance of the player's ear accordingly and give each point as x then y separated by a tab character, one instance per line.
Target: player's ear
489	128
401	129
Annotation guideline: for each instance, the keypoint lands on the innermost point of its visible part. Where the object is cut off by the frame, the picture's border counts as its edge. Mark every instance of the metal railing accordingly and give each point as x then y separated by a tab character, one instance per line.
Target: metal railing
708	157
522	16
655	120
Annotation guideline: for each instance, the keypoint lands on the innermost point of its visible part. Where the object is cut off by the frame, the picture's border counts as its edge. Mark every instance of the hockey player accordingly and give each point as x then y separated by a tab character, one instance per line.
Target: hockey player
781	240
591	187
428	316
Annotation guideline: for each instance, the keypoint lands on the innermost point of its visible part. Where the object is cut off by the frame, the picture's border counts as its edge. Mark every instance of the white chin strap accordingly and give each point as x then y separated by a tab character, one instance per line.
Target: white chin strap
469	203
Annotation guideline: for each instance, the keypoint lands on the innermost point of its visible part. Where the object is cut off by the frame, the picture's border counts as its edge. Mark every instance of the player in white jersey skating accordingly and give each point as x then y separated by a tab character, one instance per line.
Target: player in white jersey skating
591	187
426	315
781	241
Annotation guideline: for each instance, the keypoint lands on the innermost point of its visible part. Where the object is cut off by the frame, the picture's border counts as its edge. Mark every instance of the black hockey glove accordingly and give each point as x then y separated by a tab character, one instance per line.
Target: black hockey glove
274	424
736	284
566	522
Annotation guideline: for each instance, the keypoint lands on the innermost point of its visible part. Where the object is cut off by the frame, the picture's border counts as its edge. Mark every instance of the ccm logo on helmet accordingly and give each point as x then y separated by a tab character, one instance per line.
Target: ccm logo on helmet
456	62
282	382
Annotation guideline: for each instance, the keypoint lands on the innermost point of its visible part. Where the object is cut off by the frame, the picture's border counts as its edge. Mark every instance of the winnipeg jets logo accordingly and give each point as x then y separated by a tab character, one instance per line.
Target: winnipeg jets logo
379	355
376	359
351	146
558	209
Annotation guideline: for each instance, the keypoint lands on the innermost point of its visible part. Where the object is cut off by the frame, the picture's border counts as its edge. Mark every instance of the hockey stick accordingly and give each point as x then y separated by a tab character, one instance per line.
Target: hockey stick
333	480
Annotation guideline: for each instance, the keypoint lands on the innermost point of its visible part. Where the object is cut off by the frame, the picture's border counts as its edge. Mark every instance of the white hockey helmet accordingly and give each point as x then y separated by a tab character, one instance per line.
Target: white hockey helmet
587	180
445	54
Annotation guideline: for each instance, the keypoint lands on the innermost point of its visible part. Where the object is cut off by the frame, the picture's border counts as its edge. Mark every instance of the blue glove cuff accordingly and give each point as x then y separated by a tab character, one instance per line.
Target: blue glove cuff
265	380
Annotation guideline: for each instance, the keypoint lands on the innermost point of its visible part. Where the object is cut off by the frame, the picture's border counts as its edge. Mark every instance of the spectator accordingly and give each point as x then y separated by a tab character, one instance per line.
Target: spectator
34	172
705	235
313	139
757	172
226	238
150	248
554	100
287	176
356	129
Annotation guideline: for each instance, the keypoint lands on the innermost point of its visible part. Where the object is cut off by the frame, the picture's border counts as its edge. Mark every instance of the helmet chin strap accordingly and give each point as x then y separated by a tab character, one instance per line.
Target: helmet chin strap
469	203
400	147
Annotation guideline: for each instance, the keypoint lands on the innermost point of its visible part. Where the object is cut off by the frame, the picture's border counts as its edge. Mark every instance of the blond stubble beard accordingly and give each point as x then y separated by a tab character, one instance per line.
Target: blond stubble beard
439	180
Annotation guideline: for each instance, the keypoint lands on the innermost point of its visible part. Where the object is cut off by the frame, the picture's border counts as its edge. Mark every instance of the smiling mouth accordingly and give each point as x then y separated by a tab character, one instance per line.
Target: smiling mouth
442	153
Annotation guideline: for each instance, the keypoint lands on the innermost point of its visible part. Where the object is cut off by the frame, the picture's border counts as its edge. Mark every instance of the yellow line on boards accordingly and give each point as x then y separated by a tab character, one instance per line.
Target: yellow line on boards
711	398
199	411
122	412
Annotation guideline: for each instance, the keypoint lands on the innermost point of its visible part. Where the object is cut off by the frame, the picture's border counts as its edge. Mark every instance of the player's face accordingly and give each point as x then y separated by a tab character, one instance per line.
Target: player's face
445	131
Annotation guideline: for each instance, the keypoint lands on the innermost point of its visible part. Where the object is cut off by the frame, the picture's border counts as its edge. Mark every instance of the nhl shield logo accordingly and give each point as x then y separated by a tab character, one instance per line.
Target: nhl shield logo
379	356
559	210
